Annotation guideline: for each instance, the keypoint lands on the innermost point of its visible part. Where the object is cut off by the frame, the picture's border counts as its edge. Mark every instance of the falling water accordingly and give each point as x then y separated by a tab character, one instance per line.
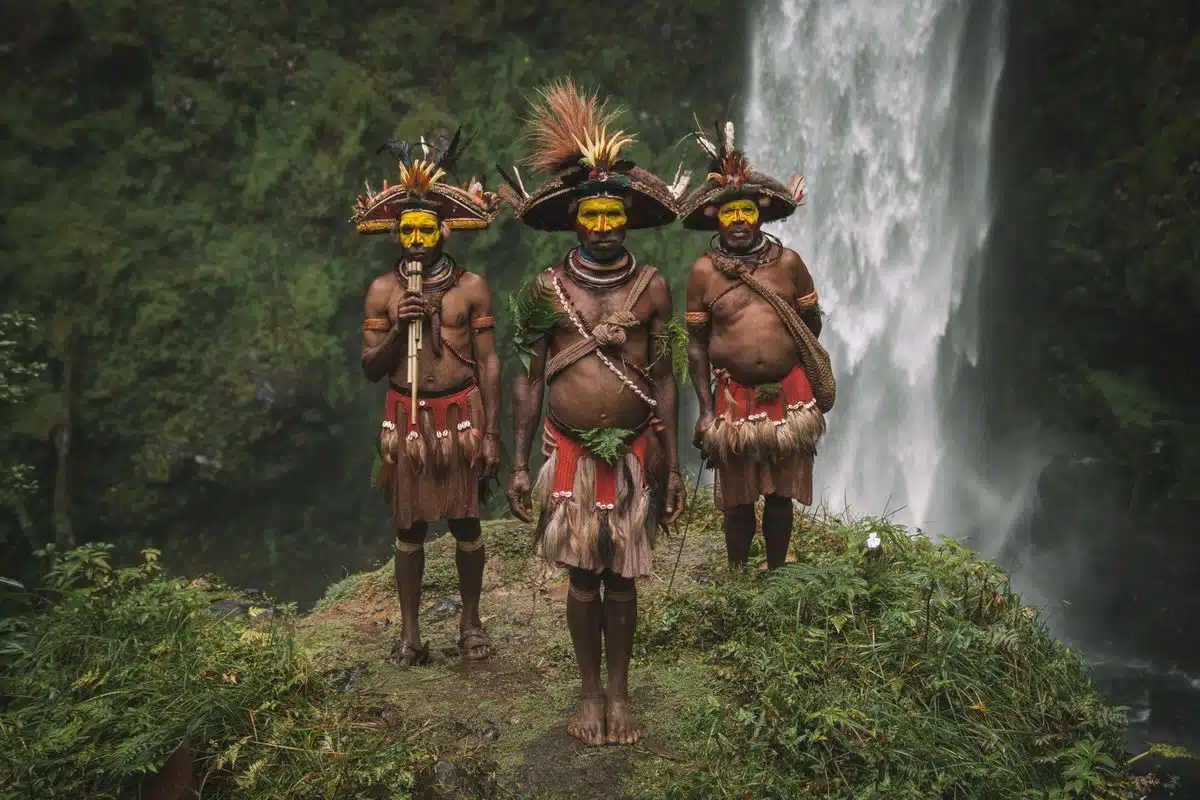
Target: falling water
886	108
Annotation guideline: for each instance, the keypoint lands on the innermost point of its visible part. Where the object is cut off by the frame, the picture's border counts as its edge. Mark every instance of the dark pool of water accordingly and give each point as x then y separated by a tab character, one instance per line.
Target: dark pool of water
1164	707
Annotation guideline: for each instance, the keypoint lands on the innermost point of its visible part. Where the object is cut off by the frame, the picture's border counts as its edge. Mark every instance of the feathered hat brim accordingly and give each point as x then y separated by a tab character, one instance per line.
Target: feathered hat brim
698	211
456	207
649	203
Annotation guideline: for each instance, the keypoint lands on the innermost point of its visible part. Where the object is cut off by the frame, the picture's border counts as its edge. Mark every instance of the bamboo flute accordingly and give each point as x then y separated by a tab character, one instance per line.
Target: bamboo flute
414	341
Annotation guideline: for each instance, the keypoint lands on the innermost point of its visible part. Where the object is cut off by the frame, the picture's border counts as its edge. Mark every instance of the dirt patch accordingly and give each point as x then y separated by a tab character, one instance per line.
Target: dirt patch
508	713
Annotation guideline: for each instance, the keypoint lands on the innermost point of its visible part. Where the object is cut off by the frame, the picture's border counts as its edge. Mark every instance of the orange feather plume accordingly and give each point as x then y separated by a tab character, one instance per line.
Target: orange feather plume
569	125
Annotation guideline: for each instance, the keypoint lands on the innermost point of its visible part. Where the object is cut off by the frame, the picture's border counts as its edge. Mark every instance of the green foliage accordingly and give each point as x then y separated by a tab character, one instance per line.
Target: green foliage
1105	258
19	374
176	195
909	670
106	682
672	344
606	444
533	316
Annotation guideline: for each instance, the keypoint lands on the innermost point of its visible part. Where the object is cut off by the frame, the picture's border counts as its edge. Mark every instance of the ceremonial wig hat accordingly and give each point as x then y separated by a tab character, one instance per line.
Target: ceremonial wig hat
421	188
730	177
572	142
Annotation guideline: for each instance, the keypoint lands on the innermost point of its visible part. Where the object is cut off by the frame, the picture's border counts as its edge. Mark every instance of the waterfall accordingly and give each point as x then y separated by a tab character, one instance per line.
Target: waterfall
886	108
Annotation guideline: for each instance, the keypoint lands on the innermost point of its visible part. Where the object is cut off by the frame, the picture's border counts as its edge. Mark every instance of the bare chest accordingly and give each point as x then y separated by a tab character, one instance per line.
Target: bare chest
456	309
728	298
590	307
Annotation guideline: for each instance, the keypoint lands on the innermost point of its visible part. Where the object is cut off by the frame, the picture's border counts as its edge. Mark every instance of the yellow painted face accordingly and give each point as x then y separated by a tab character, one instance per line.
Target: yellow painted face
601	214
420	228
738	211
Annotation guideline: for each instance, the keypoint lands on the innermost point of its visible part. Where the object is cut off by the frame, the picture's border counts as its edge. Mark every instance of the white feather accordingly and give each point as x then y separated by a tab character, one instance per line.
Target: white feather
520	183
796	187
680	184
705	143
729	136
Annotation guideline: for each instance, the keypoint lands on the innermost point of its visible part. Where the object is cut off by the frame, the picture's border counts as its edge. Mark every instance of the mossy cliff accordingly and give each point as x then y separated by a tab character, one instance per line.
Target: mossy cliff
904	670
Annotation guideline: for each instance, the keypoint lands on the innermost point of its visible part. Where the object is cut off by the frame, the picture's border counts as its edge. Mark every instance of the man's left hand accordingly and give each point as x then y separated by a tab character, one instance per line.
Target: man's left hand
676	496
491	455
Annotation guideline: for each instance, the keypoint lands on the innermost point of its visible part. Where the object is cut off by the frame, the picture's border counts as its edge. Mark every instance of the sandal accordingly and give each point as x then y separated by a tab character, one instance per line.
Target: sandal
406	654
474	639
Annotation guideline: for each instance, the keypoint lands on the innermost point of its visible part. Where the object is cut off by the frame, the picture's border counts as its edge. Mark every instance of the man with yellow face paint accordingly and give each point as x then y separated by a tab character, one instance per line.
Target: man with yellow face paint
435	468
591	330
753	322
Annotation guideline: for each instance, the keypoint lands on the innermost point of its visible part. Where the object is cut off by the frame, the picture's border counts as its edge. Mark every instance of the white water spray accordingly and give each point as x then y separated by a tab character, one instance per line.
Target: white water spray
888	112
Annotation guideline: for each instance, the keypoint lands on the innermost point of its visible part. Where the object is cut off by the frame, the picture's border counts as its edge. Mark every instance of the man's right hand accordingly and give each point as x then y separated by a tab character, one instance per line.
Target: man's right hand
703	424
520	495
407	306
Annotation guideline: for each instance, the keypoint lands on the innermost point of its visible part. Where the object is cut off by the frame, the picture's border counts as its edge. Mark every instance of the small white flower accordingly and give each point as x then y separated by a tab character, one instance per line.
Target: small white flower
873	541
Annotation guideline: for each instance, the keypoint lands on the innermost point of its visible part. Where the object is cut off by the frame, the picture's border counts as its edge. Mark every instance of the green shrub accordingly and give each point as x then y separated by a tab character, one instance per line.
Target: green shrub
124	665
908	670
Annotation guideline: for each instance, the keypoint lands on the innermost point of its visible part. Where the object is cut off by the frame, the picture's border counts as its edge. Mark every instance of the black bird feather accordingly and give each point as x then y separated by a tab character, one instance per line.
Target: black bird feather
401	150
516	187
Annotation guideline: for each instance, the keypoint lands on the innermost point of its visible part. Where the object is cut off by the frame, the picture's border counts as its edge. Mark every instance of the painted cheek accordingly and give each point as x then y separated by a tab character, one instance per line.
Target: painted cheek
610	222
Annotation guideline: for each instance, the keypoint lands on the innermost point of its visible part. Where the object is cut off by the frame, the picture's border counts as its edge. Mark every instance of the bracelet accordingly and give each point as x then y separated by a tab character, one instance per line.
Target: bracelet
520	469
675	472
492	434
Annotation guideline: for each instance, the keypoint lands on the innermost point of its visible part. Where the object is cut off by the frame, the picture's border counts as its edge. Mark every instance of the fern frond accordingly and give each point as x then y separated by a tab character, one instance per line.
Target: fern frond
534	314
672	343
607	444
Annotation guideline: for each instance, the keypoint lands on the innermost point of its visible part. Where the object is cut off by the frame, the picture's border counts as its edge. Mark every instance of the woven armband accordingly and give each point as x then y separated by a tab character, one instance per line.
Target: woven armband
696	318
483	323
377	324
808	301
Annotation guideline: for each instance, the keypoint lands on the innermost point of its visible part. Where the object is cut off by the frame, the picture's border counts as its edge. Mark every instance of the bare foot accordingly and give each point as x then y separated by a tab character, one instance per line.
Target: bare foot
621	727
587	724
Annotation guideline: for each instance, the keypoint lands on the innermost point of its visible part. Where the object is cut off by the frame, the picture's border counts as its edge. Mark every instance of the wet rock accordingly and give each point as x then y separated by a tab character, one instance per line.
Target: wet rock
346	679
229	607
447	606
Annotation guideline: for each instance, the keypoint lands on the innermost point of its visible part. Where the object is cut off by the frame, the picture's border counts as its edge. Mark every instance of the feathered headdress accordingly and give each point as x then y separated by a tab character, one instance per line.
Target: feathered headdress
573	140
731	177
423	167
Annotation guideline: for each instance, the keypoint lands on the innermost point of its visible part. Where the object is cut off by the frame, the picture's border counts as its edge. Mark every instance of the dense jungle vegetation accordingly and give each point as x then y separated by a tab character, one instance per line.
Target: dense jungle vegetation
1096	300
176	183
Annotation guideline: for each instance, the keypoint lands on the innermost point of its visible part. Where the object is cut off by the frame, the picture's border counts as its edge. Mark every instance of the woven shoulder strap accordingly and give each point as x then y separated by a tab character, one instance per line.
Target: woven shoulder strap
588	344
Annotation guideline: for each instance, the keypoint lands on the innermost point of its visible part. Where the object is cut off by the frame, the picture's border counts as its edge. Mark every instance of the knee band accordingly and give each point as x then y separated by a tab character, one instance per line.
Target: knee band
408	548
584	595
469	547
621	597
